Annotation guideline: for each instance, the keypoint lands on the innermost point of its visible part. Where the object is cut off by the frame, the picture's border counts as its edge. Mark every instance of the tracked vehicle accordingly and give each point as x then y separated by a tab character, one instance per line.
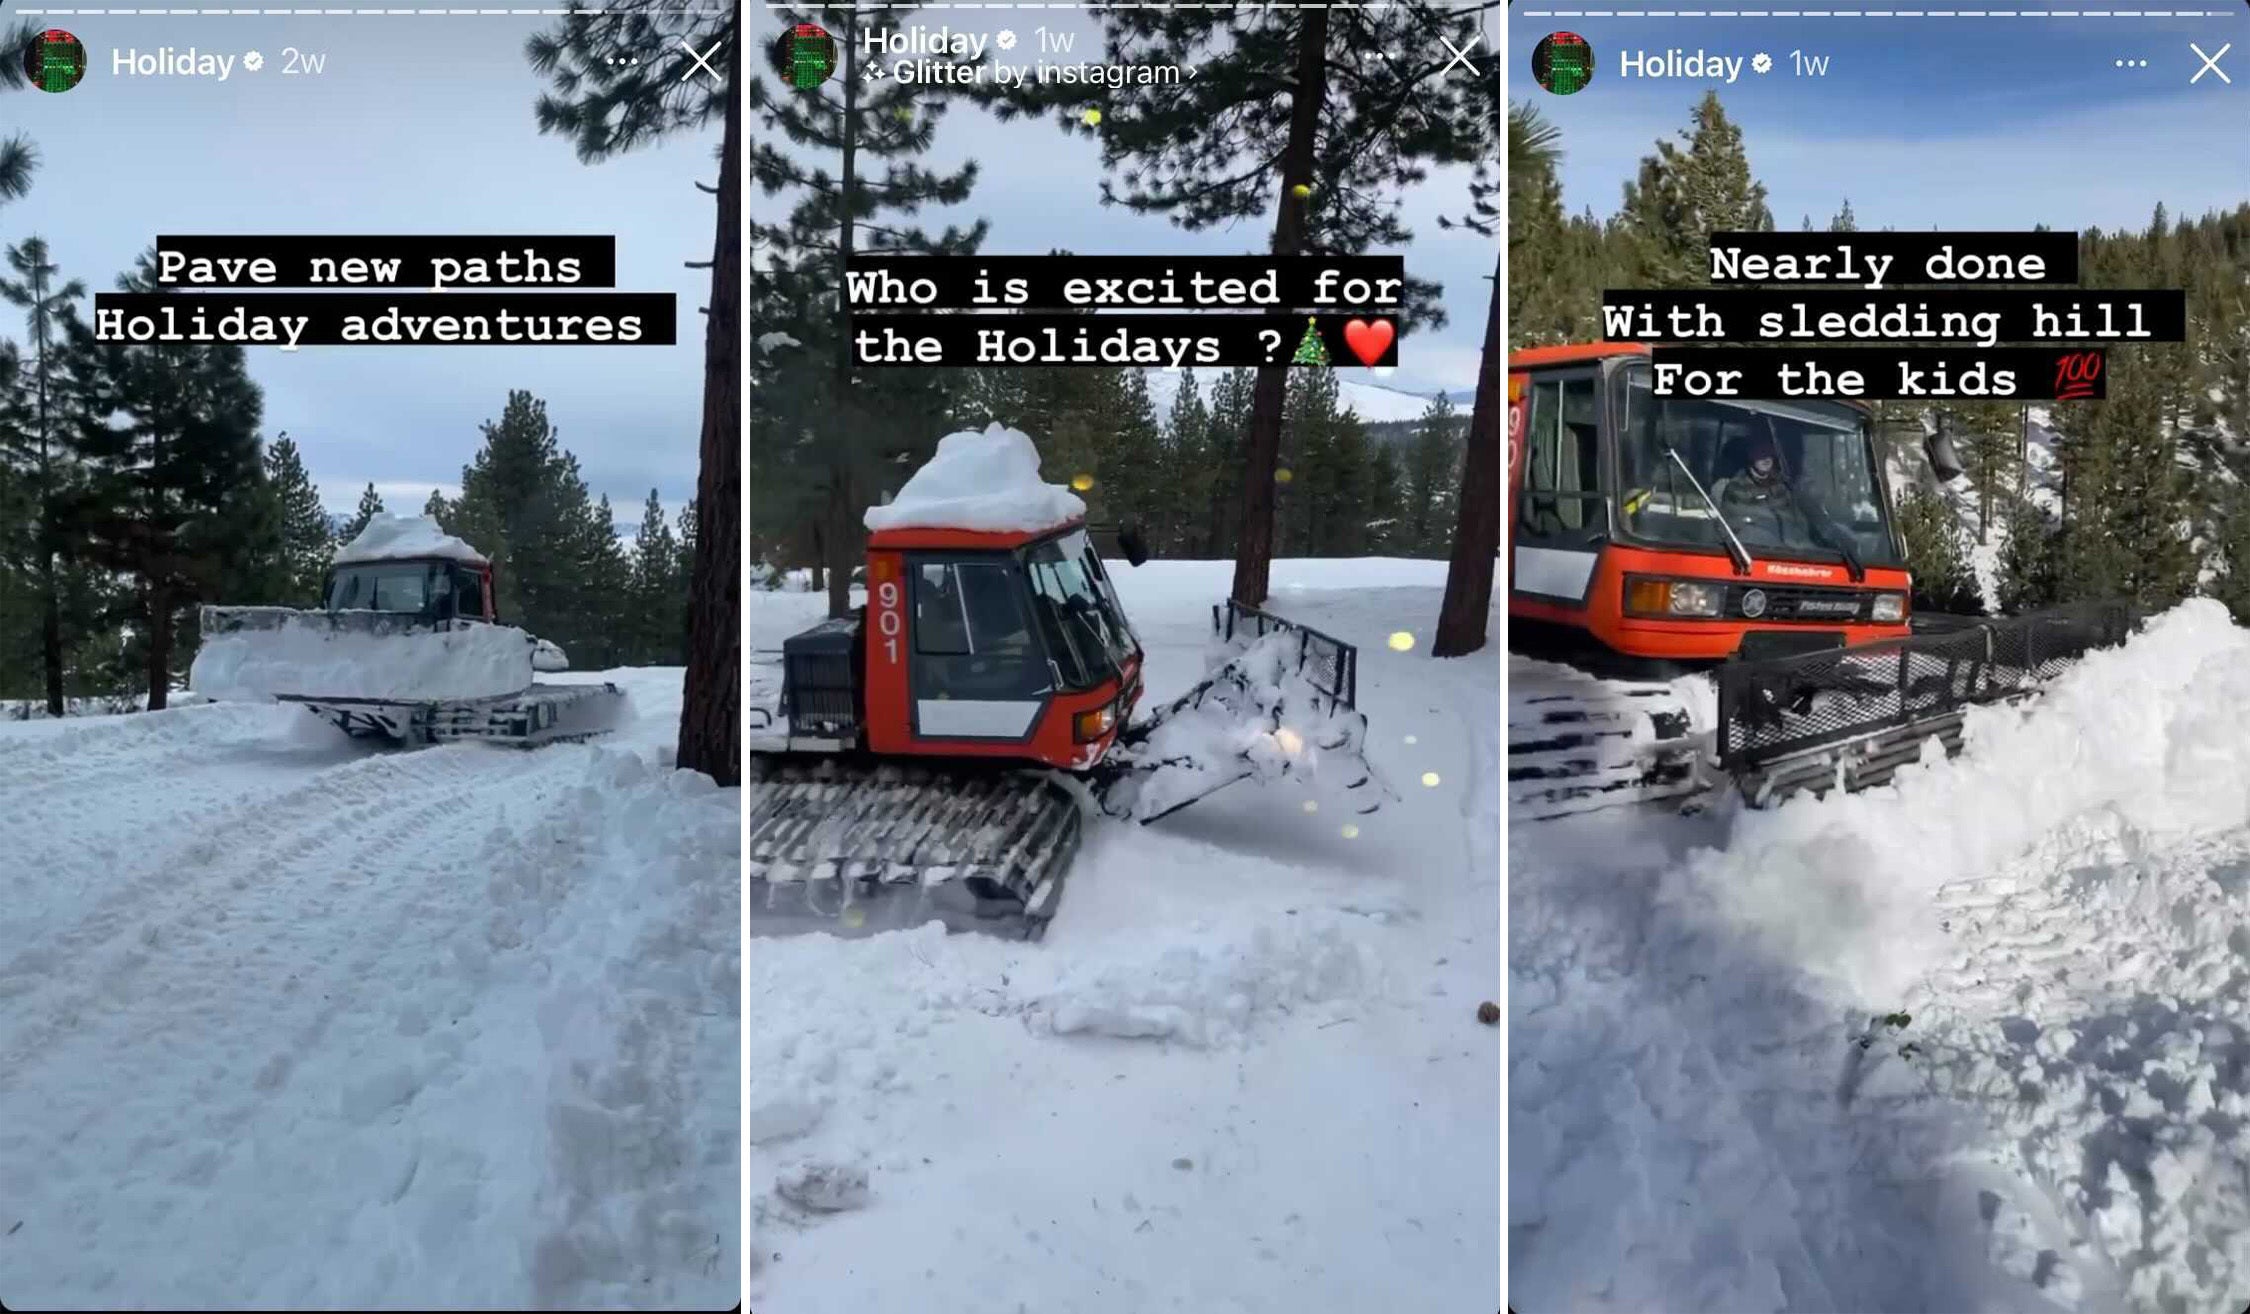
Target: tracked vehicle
408	646
937	754
1707	590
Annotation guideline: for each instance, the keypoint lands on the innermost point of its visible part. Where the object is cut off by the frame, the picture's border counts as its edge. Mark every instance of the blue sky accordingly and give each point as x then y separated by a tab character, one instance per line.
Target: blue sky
1961	123
420	124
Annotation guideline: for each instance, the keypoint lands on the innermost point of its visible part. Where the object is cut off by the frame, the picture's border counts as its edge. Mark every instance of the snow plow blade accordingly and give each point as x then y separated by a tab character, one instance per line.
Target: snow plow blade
853	848
1849	718
257	654
400	677
1281	704
542	714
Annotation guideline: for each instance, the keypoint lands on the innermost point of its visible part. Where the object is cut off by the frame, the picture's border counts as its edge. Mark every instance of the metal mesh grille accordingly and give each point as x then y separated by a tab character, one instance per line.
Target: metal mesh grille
1328	663
1770	709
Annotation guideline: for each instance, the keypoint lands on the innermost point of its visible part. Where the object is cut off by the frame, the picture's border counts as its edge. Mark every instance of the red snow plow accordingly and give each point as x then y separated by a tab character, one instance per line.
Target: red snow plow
408	647
1750	541
925	758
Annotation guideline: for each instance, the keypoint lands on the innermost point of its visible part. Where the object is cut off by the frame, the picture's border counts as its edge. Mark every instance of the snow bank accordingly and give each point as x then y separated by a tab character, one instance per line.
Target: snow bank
389	538
2142	734
982	481
309	655
1979	1039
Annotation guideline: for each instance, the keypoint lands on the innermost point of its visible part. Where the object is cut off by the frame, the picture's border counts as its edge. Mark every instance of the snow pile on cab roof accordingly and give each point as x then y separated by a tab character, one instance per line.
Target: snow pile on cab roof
982	481
308	657
389	538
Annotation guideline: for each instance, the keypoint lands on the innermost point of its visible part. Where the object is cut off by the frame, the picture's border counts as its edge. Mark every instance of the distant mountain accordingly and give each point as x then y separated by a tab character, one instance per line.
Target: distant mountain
1376	403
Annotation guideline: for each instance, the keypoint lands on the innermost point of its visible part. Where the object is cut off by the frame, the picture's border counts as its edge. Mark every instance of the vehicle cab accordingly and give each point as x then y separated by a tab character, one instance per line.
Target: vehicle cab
1693	529
431	587
996	644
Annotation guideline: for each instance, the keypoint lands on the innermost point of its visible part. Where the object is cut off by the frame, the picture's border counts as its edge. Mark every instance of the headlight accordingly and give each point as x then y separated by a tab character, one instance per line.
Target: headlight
1089	726
1696	599
1889	609
1669	597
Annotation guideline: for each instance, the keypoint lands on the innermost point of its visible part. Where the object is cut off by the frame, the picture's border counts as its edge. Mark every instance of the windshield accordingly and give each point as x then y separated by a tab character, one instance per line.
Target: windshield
1793	479
1085	628
421	588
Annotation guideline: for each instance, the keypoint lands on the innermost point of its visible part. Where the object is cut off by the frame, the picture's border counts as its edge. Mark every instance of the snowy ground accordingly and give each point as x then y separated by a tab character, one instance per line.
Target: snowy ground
287	1021
2059	1117
1243	1071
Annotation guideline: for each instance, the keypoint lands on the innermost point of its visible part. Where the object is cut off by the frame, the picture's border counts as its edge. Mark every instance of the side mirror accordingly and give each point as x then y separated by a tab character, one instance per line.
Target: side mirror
1130	542
1944	460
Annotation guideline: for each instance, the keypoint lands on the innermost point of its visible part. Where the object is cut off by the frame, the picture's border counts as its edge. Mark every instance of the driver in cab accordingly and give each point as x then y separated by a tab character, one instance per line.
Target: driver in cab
1758	502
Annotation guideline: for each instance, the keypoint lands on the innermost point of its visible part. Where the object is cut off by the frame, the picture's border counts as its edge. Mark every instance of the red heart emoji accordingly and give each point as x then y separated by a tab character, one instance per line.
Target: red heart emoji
1368	341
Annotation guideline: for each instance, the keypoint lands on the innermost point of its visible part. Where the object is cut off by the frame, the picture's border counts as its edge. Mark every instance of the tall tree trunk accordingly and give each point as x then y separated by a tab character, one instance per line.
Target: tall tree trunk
1253	551
1476	535
50	587
159	648
50	629
841	538
711	700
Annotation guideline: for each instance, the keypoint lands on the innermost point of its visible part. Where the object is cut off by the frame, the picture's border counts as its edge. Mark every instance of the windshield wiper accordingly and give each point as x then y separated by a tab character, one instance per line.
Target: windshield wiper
1741	554
1825	528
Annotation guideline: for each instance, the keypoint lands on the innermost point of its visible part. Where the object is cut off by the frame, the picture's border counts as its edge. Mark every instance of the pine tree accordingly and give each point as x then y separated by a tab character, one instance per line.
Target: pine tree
306	546
1332	140
435	508
1682	197
1381	519
1464	612
49	307
2026	568
1129	470
607	627
684	530
19	159
511	509
658	591
610	98
1188	475
1433	463
861	425
370	506
1935	557
1226	439
175	495
1546	295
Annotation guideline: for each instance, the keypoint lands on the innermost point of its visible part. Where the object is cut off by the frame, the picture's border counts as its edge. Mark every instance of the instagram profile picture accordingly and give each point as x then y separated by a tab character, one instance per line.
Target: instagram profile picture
54	60
805	56
1562	62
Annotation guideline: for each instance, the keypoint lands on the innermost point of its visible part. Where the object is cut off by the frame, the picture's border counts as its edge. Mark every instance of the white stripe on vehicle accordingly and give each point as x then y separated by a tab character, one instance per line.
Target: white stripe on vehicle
974	718
1554	572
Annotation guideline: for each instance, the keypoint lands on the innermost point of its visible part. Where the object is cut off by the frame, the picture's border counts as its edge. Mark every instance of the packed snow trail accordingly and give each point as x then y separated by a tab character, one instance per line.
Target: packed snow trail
1976	1040
291	1022
1243	1070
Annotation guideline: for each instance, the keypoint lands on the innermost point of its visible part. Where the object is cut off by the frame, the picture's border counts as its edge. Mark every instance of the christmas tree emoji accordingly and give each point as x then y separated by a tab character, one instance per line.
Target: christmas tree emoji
1309	350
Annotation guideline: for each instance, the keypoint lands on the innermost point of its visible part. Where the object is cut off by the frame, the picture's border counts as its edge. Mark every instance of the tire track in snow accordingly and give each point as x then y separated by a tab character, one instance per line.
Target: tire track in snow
215	973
